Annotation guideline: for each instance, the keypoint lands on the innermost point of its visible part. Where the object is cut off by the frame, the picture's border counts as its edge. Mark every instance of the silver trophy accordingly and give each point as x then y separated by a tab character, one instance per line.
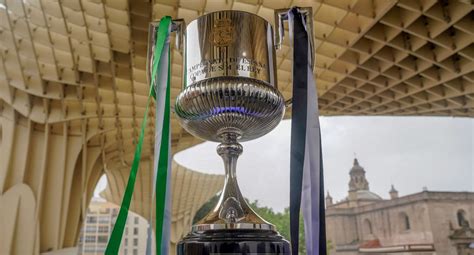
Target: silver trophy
230	95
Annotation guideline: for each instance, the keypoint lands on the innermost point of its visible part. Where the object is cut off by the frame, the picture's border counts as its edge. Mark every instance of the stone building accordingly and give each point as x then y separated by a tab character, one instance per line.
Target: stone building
428	222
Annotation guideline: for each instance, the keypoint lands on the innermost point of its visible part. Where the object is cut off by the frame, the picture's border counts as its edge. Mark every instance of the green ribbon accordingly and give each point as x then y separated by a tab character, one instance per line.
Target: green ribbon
113	245
162	176
162	35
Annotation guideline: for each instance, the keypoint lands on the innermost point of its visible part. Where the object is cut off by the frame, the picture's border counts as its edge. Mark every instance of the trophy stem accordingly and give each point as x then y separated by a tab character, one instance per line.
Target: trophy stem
231	211
232	227
230	150
231	199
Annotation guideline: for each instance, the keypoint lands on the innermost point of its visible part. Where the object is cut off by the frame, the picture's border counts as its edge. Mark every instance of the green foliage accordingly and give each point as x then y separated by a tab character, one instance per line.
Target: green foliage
281	220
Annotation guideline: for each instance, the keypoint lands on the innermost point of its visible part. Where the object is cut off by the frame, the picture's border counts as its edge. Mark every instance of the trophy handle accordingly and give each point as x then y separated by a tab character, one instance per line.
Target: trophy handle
178	26
281	15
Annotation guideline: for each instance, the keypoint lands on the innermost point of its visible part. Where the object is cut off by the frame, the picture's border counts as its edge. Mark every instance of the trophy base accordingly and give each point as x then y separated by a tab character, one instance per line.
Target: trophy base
234	242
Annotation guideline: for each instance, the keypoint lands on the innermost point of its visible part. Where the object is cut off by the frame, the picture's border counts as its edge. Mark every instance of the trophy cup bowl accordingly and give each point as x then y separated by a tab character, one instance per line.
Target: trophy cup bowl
246	107
230	95
229	77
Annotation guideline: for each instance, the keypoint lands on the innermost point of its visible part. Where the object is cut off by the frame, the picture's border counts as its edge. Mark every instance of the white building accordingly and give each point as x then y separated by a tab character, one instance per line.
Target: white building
98	227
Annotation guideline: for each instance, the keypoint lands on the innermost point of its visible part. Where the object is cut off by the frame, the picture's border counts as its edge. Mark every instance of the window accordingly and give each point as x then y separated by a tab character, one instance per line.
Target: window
126	231
91	219
125	252
104	219
101	248
135	252
89	249
367	227
462	221
135	231
91	229
405	221
126	241
103	229
102	239
135	241
114	212
136	219
90	239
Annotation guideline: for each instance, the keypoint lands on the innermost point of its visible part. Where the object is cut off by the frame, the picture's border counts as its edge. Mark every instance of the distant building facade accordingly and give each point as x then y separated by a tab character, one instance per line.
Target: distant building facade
98	227
437	223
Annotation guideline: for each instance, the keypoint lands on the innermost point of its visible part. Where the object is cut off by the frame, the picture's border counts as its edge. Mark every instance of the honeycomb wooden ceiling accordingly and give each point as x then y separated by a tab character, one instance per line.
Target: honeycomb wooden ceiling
82	63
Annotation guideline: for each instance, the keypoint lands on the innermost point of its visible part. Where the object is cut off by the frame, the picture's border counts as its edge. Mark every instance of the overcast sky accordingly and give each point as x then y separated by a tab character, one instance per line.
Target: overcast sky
409	152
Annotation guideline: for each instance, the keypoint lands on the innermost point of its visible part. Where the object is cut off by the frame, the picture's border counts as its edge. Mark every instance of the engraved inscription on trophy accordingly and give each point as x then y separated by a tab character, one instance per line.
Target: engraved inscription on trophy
233	66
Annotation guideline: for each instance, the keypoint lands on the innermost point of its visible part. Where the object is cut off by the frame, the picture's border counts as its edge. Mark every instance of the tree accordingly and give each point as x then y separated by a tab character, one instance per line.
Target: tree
281	220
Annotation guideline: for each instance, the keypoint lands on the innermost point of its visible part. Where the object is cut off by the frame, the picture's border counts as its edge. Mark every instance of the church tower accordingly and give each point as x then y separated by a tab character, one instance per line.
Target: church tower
393	193
358	182
328	200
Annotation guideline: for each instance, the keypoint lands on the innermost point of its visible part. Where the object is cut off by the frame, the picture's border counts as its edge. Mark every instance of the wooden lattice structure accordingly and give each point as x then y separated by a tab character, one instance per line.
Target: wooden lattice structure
73	86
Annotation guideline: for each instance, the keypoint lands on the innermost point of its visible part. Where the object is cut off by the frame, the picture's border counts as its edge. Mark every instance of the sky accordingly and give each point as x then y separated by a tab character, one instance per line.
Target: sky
409	152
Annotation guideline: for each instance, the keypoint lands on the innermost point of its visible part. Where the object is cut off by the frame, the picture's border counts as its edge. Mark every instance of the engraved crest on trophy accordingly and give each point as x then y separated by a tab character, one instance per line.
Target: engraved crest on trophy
222	33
